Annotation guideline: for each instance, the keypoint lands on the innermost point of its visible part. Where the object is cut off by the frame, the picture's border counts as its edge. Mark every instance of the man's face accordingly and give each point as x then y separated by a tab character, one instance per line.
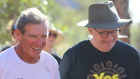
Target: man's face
104	40
34	39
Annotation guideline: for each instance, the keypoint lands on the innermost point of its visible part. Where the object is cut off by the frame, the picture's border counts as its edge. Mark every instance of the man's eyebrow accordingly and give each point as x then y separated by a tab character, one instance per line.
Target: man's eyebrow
31	35
44	35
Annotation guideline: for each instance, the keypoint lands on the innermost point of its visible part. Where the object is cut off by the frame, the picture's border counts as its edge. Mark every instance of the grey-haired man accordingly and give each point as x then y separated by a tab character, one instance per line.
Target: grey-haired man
102	57
26	60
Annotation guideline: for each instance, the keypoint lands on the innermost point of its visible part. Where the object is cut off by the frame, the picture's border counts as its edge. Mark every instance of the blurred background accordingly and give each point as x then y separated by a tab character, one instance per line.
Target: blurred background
65	14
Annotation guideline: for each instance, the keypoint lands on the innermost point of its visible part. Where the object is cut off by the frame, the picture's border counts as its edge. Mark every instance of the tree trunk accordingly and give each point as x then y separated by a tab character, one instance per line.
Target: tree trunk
122	8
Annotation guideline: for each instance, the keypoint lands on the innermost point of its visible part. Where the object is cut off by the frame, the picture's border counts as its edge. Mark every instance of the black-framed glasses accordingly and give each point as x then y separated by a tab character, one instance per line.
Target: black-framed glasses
105	34
52	34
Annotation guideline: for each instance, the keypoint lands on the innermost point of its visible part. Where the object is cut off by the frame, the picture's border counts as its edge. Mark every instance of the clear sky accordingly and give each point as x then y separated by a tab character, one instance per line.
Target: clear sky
134	7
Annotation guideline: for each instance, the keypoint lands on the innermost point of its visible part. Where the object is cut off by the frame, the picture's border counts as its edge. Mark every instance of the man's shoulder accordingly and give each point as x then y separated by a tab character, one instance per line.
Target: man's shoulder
126	47
79	47
49	58
5	54
82	44
6	57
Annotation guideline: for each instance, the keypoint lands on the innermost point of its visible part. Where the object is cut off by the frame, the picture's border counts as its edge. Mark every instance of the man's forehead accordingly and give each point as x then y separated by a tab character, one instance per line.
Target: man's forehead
34	34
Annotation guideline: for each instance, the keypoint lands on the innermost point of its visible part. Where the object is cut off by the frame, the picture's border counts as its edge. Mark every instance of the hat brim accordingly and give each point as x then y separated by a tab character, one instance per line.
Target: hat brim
60	36
106	25
122	36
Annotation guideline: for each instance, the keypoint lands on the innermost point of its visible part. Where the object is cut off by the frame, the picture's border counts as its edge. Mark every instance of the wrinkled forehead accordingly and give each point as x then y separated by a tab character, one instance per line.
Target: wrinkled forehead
35	28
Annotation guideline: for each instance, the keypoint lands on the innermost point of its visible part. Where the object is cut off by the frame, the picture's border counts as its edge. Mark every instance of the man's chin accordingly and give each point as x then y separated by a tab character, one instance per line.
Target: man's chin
36	56
109	46
108	49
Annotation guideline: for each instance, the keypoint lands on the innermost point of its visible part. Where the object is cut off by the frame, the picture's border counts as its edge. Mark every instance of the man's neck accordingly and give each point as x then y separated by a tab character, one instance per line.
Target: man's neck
96	46
24	56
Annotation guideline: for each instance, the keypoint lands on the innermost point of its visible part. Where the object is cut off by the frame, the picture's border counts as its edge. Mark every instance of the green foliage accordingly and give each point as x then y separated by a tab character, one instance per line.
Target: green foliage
135	36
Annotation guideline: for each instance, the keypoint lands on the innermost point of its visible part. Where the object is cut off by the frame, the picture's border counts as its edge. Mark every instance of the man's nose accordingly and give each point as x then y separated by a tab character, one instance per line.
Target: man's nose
39	42
109	37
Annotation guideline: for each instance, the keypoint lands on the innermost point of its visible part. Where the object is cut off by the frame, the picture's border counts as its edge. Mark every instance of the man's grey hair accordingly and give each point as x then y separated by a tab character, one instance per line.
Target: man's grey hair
33	16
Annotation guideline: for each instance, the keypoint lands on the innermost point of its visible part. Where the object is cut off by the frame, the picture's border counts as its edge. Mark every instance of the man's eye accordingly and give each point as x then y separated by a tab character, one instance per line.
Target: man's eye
104	32
32	36
115	31
44	36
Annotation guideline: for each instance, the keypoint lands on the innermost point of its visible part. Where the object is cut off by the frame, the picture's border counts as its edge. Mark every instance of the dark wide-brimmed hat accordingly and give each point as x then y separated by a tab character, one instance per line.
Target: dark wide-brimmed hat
103	16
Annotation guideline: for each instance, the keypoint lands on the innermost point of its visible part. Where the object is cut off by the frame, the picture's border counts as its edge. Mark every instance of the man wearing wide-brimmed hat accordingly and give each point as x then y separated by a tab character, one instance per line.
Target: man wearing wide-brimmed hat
104	56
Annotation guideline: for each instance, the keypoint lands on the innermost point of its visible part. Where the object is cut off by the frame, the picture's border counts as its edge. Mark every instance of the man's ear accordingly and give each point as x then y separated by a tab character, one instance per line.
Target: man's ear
18	34
90	30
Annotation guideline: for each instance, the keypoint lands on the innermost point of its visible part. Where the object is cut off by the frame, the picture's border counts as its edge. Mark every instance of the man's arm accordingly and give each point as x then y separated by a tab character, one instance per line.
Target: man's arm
57	74
1	70
65	66
138	66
